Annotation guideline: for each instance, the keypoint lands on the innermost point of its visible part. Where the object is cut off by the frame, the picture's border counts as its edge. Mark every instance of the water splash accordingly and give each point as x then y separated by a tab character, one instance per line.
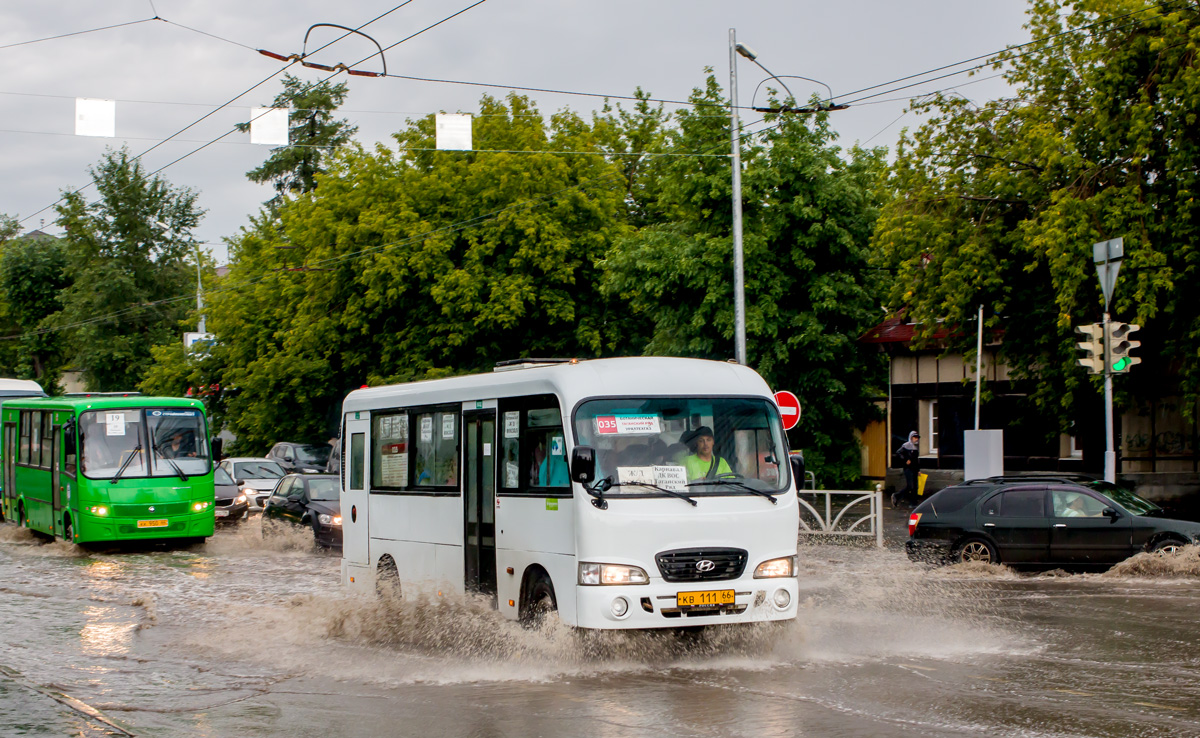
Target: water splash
1184	563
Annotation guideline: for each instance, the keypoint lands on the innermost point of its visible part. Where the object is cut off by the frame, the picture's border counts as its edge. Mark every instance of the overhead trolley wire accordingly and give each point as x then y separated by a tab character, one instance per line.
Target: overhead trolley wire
210	114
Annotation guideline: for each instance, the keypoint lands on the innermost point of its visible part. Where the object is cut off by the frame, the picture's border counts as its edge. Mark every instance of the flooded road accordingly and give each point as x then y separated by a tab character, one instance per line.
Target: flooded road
245	637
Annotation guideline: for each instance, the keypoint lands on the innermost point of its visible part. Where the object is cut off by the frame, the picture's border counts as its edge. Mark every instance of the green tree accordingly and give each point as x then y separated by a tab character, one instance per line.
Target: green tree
1000	203
126	261
808	215
313	134
33	275
415	263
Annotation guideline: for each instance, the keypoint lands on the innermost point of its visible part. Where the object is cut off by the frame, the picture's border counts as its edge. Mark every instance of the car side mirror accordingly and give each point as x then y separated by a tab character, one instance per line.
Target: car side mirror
239	482
1111	512
583	464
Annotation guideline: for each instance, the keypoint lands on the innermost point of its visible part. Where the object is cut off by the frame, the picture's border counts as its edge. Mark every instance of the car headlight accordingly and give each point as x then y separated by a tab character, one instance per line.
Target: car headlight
612	574
240	499
330	519
782	567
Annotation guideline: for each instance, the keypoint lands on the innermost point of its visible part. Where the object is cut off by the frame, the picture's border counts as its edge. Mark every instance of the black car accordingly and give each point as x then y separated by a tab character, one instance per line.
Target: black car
309	500
301	458
231	504
1061	521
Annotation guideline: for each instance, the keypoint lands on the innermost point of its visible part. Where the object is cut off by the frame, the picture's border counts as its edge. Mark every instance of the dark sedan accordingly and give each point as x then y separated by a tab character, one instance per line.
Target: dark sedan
231	505
1056	522
308	500
300	458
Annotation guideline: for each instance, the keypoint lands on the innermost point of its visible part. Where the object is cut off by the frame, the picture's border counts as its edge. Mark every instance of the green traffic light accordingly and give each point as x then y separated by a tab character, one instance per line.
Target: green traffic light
1122	363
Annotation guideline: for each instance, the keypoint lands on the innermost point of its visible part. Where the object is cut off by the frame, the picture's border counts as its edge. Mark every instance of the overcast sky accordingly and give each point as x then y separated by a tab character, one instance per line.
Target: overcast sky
164	77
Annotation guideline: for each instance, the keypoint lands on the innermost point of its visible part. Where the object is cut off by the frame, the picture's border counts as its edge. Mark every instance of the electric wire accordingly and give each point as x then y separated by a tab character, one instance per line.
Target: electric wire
77	33
210	114
462	225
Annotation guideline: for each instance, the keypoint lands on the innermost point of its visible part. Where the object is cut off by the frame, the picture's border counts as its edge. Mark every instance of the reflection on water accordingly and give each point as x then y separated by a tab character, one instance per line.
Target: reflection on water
107	631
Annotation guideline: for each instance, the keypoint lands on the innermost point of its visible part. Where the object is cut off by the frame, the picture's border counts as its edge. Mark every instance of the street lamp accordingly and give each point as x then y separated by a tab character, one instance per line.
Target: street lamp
739	283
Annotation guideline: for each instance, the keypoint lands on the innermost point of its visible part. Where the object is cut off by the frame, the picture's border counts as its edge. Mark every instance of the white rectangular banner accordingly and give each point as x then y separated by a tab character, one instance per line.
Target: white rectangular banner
269	126
95	117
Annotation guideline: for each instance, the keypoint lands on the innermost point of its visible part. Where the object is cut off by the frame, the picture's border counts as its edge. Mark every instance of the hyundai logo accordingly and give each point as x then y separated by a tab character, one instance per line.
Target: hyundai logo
705	565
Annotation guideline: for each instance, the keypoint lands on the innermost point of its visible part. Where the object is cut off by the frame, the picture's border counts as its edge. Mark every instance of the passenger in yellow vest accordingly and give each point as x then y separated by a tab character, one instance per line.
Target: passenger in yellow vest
703	463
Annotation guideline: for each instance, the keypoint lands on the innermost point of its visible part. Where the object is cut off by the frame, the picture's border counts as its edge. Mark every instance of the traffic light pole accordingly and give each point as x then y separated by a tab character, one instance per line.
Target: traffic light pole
1110	454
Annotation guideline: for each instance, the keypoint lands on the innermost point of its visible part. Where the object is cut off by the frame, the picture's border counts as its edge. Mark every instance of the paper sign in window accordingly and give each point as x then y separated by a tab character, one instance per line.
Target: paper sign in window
512	425
631	425
114	424
448	422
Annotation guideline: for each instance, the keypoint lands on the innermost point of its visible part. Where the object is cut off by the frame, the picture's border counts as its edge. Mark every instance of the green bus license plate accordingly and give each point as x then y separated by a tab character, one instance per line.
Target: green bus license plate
152	524
714	598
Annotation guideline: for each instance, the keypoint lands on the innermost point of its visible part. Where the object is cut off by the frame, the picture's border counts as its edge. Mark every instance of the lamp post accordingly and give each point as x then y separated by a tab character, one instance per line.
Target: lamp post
739	279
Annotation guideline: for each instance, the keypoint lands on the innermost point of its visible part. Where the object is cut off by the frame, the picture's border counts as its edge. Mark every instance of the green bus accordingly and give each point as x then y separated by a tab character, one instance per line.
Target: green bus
104	468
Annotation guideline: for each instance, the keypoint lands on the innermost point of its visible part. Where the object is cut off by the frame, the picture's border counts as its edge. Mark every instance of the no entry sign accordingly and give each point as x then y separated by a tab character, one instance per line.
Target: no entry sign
789	408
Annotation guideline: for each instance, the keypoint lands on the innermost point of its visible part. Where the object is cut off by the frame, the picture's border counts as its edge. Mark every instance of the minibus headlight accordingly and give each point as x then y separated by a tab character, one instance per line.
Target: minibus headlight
783	567
611	574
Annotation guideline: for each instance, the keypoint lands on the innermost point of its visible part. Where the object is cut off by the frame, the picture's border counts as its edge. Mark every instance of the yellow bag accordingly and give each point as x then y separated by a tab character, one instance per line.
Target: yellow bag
921	479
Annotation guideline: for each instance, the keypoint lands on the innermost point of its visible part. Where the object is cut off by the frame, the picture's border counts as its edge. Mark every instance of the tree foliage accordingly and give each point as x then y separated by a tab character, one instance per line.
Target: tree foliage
125	258
1000	203
416	263
808	215
313	134
33	275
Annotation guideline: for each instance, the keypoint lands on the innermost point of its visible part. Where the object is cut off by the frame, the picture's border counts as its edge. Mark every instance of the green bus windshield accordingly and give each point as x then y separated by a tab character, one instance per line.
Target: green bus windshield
143	442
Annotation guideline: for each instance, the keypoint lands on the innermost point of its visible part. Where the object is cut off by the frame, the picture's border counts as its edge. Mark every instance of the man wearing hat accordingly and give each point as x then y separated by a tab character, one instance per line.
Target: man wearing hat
703	463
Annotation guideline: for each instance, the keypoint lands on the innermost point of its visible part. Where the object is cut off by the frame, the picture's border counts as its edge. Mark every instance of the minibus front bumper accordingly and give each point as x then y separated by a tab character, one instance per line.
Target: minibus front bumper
662	604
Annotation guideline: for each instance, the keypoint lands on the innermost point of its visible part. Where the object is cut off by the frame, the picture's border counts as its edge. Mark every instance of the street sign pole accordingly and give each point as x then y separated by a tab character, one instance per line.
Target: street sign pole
1110	454
1107	255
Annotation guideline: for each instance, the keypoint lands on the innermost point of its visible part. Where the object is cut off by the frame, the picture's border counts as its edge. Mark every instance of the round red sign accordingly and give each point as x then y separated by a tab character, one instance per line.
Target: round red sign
789	408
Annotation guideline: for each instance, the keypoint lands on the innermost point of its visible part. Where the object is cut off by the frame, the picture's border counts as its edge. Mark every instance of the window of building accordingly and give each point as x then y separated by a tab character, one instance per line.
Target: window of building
933	428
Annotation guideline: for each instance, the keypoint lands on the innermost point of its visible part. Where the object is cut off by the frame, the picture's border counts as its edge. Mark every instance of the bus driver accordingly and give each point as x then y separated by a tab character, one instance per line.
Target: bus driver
703	463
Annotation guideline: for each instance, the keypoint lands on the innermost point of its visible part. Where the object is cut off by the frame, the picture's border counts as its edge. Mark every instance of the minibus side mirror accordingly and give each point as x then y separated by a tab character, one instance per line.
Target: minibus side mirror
583	464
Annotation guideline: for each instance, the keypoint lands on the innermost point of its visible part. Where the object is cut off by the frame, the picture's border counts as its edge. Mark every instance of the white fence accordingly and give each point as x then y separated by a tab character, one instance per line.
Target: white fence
859	513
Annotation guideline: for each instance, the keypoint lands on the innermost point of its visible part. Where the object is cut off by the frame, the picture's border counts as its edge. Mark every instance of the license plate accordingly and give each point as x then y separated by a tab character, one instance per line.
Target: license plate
152	523
713	598
221	513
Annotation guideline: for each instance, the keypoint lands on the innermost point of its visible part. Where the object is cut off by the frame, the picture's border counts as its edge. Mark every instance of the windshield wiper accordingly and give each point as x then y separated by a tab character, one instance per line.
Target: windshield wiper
607	483
739	485
136	450
169	460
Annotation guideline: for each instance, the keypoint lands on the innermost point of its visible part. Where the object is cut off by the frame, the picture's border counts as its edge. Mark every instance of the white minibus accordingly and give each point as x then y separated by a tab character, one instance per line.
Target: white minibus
623	493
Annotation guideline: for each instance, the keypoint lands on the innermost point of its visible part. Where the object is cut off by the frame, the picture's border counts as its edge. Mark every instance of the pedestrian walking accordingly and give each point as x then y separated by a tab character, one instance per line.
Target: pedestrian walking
910	460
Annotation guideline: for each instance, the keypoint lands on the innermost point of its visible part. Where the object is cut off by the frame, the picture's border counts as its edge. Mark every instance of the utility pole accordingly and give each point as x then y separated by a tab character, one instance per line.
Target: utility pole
739	285
199	291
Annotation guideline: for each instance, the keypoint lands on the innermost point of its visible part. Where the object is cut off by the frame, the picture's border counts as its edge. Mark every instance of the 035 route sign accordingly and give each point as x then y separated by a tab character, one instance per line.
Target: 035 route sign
789	408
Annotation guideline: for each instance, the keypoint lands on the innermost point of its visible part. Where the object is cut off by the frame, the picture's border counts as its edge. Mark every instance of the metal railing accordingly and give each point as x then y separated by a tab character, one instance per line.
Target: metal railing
851	503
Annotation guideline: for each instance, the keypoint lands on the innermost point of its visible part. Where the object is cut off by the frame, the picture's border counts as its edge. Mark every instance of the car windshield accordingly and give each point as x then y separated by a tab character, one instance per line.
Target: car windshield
155	442
1125	498
313	455
257	470
220	476
323	489
709	446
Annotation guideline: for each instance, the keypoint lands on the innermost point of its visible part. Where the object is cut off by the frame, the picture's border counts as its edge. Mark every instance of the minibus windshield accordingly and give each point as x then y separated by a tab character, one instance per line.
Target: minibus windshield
701	446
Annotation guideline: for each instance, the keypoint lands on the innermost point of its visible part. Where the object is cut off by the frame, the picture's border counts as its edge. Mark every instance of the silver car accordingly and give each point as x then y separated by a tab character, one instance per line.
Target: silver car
255	477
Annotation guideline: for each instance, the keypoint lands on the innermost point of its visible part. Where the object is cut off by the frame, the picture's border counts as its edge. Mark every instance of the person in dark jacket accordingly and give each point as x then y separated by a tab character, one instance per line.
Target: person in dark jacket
910	460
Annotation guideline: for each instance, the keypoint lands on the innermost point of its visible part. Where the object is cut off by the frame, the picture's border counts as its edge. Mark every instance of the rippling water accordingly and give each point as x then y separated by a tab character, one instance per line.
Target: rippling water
250	636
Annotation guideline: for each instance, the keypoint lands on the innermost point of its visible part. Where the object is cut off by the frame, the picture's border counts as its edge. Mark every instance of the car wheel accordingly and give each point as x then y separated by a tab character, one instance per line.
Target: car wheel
976	549
539	601
1168	546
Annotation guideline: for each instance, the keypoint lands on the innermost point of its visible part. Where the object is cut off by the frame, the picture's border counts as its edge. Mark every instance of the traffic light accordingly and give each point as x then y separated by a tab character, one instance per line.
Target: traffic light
1093	347
1120	344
